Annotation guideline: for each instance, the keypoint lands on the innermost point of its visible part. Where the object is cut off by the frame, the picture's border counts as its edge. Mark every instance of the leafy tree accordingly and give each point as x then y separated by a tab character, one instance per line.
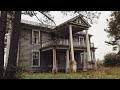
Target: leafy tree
113	29
112	59
90	16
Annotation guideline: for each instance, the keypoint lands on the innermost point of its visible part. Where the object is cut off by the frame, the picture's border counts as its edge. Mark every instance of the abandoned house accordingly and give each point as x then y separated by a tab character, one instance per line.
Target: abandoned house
47	48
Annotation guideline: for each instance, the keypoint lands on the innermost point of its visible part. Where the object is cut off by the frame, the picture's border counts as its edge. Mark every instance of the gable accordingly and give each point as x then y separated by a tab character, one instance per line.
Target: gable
80	21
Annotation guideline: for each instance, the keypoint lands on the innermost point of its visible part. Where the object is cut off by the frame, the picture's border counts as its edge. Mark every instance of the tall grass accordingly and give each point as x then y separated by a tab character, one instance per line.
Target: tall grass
102	73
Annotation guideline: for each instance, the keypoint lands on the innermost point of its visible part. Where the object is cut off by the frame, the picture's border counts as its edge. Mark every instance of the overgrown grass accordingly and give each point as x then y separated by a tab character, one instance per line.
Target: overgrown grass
101	73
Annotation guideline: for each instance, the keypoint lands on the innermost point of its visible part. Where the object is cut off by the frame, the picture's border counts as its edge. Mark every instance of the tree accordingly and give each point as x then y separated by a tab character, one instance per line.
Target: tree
12	59
111	59
3	19
113	29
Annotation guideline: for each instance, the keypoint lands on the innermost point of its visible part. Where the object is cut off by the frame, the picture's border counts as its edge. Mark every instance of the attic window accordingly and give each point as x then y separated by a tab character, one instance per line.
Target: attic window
78	21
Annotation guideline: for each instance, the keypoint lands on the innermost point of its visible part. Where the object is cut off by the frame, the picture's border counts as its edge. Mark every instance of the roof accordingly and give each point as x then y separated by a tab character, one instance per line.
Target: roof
58	26
72	19
36	24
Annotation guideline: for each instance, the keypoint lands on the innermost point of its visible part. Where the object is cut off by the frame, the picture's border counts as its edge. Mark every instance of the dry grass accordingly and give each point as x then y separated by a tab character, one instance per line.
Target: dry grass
101	73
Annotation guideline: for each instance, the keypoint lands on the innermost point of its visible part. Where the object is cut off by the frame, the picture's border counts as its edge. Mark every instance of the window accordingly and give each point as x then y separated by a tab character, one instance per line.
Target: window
35	37
79	21
81	40
35	58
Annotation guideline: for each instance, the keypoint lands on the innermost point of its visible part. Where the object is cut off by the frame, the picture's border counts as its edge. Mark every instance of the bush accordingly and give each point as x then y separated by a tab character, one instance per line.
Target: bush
111	59
100	63
20	70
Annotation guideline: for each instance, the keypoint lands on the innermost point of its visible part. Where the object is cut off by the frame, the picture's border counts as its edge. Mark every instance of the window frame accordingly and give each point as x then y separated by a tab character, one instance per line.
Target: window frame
33	37
38	59
81	38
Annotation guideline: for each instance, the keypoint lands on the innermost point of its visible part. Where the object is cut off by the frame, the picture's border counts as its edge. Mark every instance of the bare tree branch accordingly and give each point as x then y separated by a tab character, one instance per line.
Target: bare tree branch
37	17
47	17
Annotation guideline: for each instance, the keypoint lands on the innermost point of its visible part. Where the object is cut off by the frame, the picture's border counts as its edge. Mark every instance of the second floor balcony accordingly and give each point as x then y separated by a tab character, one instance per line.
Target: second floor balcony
65	42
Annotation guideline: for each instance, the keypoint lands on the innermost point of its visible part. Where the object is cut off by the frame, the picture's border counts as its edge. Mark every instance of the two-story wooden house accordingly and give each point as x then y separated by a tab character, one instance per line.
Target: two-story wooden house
46	48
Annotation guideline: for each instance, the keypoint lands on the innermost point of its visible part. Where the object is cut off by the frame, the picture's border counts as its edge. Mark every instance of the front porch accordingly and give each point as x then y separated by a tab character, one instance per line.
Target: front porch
47	59
66	48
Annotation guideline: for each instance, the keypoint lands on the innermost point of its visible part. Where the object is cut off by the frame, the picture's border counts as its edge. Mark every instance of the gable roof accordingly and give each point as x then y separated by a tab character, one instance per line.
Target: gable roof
80	17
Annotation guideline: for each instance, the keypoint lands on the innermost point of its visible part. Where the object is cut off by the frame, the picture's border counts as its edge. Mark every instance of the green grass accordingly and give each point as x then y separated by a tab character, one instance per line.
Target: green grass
102	73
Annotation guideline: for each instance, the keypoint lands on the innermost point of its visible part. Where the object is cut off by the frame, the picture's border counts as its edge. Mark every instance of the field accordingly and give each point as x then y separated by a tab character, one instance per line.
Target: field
101	73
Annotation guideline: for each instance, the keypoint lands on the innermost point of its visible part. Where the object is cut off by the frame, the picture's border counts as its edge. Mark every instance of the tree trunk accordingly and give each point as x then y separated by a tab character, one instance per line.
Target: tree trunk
12	59
3	22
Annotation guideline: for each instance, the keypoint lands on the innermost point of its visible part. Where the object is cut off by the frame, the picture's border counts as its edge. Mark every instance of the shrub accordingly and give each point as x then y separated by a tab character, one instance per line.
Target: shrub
20	70
100	63
112	59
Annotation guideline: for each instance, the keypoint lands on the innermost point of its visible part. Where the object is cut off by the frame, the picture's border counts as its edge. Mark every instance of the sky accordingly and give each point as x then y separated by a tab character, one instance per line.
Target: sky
97	30
100	36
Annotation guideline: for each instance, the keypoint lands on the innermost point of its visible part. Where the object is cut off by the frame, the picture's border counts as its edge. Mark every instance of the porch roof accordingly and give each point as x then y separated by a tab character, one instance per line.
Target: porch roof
78	24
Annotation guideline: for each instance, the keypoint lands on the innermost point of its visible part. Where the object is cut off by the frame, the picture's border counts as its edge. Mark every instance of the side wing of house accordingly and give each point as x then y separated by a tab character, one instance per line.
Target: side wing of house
30	42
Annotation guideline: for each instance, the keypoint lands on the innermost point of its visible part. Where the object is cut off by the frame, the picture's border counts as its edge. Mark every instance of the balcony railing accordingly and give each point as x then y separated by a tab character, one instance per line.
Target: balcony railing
63	42
48	43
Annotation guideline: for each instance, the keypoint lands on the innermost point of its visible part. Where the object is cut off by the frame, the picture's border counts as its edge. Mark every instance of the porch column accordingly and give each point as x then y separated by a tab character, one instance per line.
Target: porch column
71	43
88	50
94	60
67	61
72	59
54	69
84	62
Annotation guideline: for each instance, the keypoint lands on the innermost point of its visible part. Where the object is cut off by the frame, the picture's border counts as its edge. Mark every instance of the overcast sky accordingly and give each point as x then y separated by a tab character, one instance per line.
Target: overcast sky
97	30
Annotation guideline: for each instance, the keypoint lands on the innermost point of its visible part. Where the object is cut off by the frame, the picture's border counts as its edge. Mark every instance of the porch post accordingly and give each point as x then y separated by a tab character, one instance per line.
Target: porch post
95	65
84	62
71	43
54	69
72	59
67	61
88	50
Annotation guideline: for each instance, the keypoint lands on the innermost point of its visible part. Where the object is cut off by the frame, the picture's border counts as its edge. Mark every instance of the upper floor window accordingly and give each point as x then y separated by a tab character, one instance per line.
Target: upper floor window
81	40
35	37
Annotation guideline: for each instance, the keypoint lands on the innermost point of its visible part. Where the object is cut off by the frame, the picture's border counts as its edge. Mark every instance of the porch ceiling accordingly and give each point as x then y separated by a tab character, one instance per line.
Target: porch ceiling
61	48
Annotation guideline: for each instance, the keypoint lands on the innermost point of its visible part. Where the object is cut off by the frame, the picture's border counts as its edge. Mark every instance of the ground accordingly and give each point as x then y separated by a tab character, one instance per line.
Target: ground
101	73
